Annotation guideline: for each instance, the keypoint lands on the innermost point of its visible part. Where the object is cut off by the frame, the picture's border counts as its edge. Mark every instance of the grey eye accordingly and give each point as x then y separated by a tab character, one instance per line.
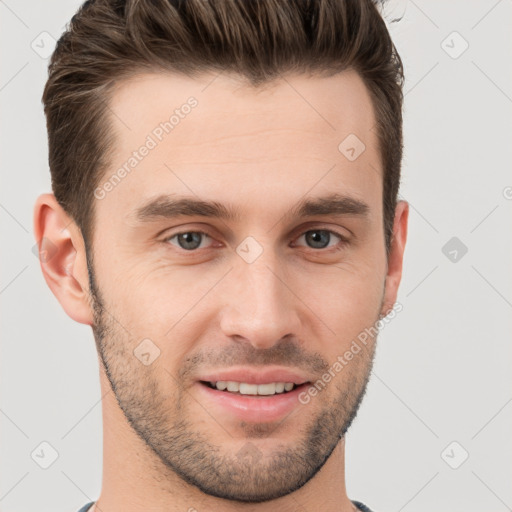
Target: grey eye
189	240
319	238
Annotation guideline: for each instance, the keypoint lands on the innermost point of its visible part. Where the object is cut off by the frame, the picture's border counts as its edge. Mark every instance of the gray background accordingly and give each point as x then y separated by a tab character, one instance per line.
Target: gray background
443	367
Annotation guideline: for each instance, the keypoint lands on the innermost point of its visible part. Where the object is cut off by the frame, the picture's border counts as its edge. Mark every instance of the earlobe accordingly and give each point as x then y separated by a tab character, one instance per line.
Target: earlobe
62	258
396	255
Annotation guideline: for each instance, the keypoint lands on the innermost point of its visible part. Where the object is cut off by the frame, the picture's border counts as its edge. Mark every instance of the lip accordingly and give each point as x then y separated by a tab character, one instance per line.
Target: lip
252	408
252	376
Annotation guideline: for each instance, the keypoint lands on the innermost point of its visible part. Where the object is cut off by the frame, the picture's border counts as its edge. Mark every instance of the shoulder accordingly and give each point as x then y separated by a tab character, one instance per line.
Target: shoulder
85	508
361	506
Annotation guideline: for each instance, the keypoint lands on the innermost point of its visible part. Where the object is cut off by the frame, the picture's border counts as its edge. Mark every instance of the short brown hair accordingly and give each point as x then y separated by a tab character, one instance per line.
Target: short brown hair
109	40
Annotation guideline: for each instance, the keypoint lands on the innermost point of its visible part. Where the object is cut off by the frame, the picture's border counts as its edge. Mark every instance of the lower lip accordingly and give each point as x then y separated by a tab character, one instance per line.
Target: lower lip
253	408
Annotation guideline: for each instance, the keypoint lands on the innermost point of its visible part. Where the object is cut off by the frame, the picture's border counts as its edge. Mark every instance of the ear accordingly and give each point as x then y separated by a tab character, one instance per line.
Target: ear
396	255
62	258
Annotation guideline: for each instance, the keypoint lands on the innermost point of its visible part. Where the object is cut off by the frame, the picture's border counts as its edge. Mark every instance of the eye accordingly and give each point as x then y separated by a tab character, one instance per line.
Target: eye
314	238
320	238
188	240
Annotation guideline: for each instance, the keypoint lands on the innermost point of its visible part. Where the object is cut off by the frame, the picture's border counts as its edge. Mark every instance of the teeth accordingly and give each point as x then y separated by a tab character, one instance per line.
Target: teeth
233	386
280	387
250	389
243	388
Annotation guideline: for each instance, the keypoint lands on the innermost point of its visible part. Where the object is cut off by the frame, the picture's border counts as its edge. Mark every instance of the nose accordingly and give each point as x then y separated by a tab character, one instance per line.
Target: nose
260	306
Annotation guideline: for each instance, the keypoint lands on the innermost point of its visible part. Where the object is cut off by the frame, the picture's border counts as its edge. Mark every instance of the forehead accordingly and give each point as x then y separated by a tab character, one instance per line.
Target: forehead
215	135
324	104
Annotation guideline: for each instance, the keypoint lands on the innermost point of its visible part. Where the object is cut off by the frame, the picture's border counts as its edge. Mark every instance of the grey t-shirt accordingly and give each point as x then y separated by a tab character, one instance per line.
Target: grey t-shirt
358	504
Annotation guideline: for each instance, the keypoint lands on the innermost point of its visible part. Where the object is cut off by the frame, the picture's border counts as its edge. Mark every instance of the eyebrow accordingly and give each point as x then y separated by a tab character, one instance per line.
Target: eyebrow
169	206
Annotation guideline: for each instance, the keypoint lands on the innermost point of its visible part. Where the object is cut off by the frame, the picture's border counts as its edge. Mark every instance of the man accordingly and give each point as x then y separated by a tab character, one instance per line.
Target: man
225	218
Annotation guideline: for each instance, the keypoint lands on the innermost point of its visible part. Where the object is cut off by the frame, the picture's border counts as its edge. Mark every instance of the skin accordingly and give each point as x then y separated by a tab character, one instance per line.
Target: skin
298	305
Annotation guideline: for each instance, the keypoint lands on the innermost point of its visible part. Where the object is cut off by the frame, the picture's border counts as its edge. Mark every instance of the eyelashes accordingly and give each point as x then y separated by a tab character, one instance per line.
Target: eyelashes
342	239
187	240
193	240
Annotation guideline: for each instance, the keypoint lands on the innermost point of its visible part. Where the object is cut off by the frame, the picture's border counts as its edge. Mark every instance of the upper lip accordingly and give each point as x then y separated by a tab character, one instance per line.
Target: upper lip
256	376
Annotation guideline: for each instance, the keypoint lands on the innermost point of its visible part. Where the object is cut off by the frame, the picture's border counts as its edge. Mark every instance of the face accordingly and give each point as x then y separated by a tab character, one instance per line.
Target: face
243	246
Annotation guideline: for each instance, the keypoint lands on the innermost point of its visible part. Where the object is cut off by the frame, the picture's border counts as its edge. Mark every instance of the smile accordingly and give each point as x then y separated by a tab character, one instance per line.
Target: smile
244	388
244	404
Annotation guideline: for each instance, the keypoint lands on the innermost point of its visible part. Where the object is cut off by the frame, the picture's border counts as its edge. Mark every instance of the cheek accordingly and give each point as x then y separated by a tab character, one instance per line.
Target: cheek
353	303
346	298
156	300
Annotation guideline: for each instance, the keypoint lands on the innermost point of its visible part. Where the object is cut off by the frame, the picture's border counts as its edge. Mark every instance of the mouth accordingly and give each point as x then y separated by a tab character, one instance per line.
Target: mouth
253	390
244	402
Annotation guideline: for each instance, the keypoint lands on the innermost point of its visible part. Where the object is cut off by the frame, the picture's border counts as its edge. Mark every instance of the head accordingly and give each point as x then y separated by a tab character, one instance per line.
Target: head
225	179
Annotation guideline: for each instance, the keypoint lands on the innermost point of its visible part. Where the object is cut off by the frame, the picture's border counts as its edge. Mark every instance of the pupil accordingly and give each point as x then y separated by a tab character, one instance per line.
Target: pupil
190	240
320	237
